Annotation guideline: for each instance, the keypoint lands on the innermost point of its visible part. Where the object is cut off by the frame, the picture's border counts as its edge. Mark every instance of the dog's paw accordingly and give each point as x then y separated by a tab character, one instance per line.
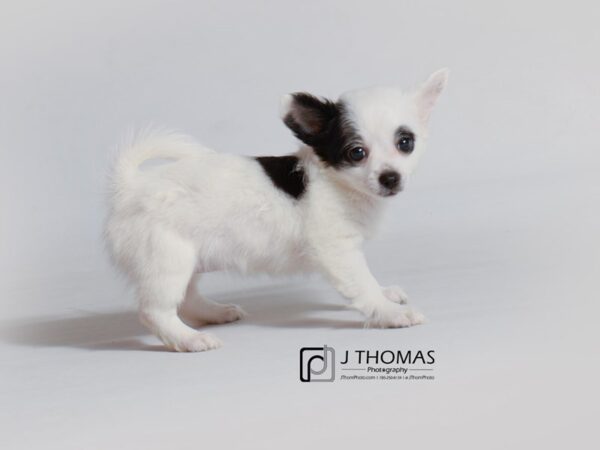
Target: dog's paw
211	313
195	342
395	294
226	314
393	315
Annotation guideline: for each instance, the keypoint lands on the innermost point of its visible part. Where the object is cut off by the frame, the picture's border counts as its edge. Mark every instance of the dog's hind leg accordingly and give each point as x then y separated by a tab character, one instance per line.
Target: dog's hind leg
198	310
162	289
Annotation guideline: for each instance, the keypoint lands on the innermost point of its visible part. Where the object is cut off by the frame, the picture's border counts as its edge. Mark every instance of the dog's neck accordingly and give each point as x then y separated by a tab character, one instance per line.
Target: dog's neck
364	208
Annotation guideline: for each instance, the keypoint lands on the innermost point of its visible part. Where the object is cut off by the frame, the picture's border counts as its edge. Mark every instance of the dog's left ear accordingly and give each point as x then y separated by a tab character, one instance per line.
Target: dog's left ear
429	92
309	117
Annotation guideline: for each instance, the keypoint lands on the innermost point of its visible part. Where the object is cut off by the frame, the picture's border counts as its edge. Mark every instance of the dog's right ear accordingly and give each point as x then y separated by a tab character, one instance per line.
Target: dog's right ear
430	91
309	117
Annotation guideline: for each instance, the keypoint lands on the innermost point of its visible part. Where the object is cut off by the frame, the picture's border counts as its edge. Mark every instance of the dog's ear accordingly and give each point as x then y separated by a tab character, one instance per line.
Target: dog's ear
309	117
429	92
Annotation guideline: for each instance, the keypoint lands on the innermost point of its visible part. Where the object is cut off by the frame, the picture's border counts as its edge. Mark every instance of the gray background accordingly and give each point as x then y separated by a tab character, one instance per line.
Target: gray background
496	239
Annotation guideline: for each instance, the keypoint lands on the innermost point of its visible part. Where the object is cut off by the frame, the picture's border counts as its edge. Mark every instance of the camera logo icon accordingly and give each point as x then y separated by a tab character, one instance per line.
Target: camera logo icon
317	364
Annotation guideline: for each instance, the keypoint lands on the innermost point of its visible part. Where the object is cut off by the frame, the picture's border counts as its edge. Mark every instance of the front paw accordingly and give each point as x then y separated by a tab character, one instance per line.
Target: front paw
395	294
393	315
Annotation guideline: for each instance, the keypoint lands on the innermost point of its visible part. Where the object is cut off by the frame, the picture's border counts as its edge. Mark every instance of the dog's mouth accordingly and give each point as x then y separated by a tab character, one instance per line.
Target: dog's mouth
390	192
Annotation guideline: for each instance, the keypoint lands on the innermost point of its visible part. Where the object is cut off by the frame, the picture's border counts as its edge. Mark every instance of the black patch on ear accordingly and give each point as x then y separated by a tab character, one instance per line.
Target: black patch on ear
309	117
324	126
285	173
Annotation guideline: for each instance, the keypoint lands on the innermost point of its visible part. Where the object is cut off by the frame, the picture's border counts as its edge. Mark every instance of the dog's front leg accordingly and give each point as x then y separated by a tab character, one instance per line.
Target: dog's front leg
346	268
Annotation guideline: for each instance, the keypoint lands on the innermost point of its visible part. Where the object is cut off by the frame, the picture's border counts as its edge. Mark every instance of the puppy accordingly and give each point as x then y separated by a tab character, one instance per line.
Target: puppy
306	212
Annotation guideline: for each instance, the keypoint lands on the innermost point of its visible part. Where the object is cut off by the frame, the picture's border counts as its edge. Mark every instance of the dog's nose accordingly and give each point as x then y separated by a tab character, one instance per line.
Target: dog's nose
389	180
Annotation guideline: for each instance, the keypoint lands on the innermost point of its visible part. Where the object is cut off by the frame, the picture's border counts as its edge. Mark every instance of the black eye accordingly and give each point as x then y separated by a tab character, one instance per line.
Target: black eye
406	143
357	154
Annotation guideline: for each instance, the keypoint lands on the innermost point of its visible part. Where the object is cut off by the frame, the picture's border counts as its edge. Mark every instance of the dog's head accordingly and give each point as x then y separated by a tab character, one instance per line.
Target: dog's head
372	138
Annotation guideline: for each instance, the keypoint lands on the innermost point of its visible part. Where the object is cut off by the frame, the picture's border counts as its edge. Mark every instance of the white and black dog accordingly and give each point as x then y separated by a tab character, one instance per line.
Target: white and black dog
305	212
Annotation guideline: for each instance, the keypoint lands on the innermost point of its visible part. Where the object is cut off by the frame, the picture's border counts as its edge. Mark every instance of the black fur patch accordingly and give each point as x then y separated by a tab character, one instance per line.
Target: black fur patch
324	126
285	173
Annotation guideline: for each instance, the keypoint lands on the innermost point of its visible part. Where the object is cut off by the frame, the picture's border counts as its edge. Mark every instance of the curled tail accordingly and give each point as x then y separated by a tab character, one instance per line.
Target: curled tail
146	145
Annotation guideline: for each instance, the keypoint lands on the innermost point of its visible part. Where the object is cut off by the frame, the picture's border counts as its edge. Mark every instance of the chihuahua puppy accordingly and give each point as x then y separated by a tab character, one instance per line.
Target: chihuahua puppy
306	212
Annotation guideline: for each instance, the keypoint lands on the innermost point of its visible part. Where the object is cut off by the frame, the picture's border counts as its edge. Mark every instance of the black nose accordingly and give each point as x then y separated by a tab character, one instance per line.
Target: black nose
389	179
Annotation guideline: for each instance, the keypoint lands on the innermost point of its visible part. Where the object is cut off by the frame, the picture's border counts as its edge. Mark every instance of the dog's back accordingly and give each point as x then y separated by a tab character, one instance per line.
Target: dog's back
200	197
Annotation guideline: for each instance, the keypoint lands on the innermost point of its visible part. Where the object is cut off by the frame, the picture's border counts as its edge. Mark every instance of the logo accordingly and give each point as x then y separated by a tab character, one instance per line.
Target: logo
317	364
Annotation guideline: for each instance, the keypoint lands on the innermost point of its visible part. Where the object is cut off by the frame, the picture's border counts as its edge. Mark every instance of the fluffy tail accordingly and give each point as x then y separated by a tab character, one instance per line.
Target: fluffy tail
146	145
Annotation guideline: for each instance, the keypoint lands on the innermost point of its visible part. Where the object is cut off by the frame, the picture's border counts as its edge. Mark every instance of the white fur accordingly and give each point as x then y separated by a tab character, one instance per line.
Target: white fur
205	211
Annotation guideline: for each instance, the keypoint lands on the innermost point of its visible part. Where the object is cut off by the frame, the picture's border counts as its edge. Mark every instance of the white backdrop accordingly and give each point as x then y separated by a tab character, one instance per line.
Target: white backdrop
496	239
